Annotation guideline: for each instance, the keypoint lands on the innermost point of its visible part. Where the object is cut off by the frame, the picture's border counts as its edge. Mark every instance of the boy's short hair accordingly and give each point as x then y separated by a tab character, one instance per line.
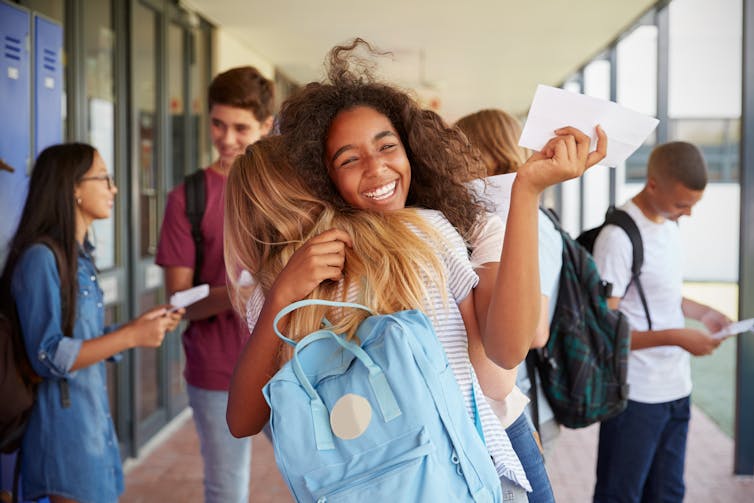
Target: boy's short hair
243	87
681	162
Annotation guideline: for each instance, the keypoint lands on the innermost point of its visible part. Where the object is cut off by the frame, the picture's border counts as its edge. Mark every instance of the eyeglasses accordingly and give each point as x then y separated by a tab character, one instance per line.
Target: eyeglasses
106	178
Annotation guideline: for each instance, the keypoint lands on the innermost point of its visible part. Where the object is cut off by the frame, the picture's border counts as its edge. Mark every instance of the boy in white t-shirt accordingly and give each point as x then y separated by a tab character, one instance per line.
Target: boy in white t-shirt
642	450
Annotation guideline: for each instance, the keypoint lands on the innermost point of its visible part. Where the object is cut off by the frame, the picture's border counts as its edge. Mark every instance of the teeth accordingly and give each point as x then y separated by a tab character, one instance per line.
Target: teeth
382	192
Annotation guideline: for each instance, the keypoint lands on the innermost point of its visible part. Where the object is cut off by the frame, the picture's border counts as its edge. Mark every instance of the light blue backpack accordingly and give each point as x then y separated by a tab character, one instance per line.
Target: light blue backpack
380	421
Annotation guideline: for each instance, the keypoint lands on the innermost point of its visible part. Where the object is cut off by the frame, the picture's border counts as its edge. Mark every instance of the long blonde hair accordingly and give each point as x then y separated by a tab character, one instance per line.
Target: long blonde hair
495	133
270	212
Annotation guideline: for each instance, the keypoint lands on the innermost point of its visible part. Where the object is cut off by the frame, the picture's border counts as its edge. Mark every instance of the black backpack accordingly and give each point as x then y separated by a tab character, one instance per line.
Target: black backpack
18	382
615	216
584	364
196	203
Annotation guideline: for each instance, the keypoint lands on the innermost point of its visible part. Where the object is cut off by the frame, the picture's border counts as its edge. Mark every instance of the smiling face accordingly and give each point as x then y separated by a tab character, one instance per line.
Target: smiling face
366	160
232	129
95	191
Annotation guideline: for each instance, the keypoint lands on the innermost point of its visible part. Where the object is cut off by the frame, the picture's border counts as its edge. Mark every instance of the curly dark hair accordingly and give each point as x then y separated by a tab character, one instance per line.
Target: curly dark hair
440	156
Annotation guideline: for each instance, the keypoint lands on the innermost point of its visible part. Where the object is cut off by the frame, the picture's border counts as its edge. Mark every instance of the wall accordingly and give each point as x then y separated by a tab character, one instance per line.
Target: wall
229	52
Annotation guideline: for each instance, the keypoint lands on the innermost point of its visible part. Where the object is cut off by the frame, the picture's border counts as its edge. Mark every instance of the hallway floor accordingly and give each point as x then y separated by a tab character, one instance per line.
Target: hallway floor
171	469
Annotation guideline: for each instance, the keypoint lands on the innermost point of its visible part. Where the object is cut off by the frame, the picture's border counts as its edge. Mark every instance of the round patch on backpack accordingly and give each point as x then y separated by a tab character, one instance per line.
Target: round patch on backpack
350	416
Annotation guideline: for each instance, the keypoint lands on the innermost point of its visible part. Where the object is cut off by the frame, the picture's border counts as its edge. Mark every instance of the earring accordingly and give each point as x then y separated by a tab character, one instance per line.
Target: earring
78	201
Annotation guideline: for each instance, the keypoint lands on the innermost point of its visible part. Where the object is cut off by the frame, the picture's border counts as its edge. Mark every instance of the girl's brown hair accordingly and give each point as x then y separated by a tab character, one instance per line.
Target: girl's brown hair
495	133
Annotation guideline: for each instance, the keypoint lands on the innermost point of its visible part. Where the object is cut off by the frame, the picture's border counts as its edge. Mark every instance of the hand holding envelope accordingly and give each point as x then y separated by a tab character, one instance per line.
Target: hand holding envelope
554	108
735	328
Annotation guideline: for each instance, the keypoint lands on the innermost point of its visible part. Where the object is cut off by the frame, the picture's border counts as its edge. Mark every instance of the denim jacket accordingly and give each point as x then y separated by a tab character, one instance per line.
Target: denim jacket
69	451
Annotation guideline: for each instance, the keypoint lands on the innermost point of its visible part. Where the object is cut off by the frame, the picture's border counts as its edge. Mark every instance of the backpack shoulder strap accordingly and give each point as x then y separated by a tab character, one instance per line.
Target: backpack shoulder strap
554	218
531	361
624	221
196	203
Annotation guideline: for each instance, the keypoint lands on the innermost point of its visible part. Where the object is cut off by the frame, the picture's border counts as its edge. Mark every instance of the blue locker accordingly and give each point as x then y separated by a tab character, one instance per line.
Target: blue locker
15	111
15	141
48	83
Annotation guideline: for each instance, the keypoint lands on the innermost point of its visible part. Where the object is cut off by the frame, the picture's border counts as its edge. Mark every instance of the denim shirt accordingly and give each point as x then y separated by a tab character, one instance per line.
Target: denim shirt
69	451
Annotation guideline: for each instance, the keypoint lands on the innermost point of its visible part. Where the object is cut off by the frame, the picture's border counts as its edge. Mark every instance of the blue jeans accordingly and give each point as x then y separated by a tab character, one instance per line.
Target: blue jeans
641	453
521	434
227	460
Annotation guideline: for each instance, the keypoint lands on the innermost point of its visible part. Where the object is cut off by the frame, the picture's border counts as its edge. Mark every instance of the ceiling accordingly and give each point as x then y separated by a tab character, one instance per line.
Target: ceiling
468	55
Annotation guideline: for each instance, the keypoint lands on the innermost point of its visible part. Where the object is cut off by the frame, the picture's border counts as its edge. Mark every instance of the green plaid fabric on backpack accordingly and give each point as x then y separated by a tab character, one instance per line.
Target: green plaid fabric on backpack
584	364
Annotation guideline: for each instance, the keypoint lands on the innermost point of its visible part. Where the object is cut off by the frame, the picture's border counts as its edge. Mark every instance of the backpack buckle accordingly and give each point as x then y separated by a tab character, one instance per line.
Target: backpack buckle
552	363
606	288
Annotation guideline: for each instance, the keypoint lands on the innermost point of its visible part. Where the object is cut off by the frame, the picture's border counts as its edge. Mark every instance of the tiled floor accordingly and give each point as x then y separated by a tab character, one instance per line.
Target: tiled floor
709	465
171	472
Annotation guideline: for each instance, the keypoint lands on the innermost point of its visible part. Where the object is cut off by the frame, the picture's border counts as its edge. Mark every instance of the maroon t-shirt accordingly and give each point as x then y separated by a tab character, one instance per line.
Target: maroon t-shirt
212	345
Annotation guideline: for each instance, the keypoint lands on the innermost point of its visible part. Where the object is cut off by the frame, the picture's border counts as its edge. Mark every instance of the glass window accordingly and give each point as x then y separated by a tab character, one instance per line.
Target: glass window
99	53
146	138
597	79
573	84
704	99
719	140
145	103
637	88
177	105
596	182
199	74
150	393
284	87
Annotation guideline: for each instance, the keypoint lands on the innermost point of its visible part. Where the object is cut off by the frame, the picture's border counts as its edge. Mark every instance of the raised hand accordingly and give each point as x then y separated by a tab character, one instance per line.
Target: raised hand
321	258
564	157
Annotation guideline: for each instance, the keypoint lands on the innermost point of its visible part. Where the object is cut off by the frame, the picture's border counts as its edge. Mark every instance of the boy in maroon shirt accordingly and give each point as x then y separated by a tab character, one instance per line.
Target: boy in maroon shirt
240	108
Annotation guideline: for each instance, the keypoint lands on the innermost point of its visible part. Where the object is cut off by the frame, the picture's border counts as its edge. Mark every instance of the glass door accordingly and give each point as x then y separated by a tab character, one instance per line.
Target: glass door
147	199
100	103
167	71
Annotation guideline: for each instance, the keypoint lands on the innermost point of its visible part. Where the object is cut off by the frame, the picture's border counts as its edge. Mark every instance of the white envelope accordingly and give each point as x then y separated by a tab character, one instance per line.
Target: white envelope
185	298
554	108
735	328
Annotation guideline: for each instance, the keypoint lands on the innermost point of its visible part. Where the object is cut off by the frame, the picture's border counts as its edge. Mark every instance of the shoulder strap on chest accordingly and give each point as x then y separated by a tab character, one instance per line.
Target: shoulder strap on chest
624	221
196	203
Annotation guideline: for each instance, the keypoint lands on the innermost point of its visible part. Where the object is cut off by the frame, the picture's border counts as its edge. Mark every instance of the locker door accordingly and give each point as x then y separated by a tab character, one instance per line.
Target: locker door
15	126
48	83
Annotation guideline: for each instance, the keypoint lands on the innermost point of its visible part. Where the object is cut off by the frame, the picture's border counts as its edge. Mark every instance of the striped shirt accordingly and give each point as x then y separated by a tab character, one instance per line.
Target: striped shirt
451	332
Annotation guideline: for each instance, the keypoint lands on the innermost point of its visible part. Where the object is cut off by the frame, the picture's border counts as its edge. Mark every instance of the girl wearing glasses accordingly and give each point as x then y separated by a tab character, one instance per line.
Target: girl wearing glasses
70	448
